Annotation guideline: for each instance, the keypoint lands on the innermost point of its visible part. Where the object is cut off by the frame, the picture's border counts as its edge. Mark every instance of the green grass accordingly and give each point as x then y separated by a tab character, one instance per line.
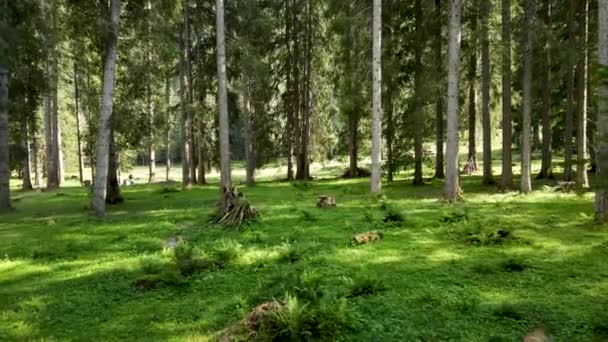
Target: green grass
65	275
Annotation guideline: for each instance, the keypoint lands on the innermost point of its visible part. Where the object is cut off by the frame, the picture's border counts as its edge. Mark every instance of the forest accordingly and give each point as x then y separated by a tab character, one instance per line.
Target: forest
304	170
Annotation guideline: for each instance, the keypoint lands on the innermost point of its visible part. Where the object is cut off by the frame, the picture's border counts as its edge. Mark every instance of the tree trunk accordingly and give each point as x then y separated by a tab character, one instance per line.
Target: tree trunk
151	147
107	102
546	167
353	148
440	121
488	177
570	108
582	180
472	155
113	188
78	129
222	97
186	122
5	173
289	97
526	183
390	133
418	96
507	160
202	162
248	137
601	195
307	107
25	150
376	178
169	122
452	187
36	158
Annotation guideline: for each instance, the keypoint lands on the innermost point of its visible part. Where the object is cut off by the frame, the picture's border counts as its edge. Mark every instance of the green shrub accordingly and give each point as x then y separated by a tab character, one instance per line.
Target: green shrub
365	286
188	259
307	216
223	254
151	265
507	310
289	253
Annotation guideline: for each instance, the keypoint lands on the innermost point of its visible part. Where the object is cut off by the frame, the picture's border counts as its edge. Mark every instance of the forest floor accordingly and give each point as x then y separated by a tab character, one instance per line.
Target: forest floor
440	273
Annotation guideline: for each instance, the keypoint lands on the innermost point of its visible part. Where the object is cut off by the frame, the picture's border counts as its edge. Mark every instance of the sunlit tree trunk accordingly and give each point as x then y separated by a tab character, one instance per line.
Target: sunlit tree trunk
169	122
581	97
452	187
5	196
78	125
507	167
25	150
488	177
601	195
472	155
107	102
526	182
376	178
547	158
248	137
222	98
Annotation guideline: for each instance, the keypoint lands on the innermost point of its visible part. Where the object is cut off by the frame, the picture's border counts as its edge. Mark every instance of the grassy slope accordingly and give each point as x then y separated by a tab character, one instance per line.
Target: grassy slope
66	276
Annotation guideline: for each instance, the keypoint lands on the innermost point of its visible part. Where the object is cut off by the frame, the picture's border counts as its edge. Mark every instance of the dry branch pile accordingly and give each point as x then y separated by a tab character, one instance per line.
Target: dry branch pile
367	237
326	201
234	209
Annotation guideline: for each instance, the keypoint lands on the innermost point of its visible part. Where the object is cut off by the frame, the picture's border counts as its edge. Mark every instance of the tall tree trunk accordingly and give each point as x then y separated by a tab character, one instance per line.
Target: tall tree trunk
601	195
57	139
113	195
570	108
452	187
472	155
5	173
418	96
353	148
526	182
440	121
507	167
169	122
376	178
78	129
248	137
36	157
151	147
307	106
581	97
202	161
546	169
186	122
25	150
289	95
488	177
390	133
222	98
107	102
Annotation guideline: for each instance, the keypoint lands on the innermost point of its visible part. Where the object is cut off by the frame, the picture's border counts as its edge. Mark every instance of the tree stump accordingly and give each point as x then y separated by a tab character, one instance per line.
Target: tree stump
233	209
326	201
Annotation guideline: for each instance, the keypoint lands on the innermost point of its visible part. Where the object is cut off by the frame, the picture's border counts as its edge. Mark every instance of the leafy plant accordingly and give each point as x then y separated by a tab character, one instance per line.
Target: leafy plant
365	286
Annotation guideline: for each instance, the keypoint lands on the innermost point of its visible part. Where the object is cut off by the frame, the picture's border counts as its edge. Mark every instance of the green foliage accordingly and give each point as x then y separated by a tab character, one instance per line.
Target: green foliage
365	286
290	253
307	216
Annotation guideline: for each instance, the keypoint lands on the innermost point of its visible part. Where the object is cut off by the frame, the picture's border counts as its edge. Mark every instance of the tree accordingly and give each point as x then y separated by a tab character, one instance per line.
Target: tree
570	107
546	167
185	99
222	98
601	195
107	101
5	196
452	187
485	92
376	181
472	155
440	125
418	94
581	97
526	183
507	168
78	119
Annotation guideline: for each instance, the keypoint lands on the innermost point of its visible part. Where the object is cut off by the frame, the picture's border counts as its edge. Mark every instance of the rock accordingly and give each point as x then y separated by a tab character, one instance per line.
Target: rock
363	238
172	241
326	201
536	335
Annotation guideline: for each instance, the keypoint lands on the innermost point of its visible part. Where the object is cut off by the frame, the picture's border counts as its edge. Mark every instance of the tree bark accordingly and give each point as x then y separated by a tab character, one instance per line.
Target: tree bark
169	122
526	183
202	161
36	157
353	148
151	147
570	107
601	195
472	155
488	177
546	169
5	175
25	150
186	122
289	95
78	129
440	121
390	133
248	137
113	188
582	180
418	96
107	102
452	187
222	97
507	160
376	178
